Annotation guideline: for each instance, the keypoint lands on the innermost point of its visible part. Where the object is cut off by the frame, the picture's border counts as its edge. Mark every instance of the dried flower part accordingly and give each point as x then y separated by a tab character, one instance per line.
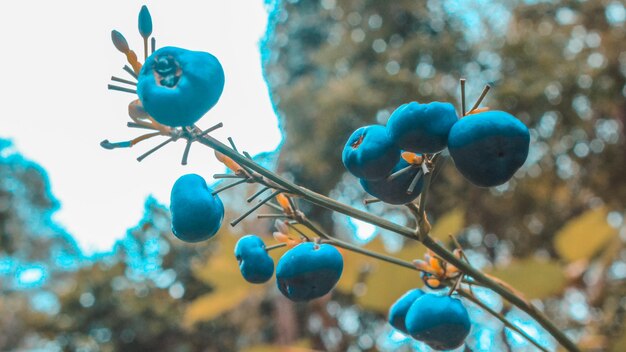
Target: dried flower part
230	163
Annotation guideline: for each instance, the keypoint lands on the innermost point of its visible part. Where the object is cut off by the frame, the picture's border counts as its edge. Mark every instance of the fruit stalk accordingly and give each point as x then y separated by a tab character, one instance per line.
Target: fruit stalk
407	232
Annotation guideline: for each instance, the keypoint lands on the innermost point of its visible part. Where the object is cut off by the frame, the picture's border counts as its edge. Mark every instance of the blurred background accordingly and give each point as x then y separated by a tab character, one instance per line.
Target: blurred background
556	232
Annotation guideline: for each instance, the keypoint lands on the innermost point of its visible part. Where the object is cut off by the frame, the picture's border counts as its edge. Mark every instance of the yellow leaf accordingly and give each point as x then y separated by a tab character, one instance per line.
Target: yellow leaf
450	223
300	346
534	278
585	235
384	282
387	282
210	306
221	271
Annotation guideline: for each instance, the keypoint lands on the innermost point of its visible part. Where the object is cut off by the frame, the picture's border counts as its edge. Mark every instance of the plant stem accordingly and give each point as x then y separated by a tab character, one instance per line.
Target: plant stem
408	265
467	295
407	232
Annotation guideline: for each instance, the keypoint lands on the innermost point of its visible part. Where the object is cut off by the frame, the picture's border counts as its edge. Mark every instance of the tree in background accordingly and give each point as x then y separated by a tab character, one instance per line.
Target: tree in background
555	232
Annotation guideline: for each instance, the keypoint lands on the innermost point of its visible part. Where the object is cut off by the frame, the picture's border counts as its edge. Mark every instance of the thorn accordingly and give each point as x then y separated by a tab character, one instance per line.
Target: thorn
210	129
130	71
186	152
218	176
232	144
480	99
257	206
163	144
400	172
121	80
371	200
463	97
121	89
228	186
136	125
265	216
414	182
252	197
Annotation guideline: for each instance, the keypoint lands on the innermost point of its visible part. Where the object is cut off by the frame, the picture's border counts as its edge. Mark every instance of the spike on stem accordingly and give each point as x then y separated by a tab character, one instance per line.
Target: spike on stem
463	97
414	182
399	172
130	71
121	80
161	145
121	89
257	206
480	99
258	193
228	186
186	152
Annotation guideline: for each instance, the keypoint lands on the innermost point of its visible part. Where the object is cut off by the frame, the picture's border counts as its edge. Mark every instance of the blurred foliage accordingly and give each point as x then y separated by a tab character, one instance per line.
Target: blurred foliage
555	232
590	229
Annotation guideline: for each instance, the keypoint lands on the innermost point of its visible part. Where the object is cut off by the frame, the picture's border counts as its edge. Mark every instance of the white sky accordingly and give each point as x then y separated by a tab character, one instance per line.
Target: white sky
56	62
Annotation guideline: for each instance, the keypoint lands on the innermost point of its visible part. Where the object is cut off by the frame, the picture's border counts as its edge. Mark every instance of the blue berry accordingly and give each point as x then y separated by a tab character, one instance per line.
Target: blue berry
397	312
196	213
395	191
254	262
422	128
442	322
178	86
308	271
489	147
370	153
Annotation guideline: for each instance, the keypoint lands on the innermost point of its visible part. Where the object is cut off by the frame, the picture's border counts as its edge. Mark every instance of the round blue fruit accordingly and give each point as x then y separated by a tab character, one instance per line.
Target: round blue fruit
255	264
397	312
442	322
308	271
196	213
396	191
489	147
370	153
178	86
422	128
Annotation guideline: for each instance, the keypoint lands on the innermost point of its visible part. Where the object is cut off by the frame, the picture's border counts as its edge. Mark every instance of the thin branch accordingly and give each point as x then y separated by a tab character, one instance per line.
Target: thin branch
331	204
500	317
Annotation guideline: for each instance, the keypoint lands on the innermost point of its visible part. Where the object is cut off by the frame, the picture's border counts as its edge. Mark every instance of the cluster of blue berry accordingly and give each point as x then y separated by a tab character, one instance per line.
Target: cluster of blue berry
488	147
440	321
176	87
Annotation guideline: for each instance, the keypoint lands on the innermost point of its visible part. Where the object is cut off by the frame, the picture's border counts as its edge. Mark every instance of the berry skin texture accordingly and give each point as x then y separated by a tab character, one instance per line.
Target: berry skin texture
178	86
370	153
254	262
422	128
489	147
308	271
442	322
395	191
196	213
397	312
